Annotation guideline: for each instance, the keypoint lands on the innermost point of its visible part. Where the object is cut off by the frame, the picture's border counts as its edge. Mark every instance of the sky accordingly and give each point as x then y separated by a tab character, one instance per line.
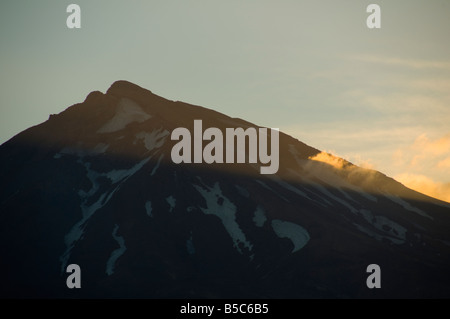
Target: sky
379	98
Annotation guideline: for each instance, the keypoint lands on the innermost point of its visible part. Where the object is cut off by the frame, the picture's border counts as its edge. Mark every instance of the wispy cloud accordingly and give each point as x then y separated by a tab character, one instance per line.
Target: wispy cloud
390	112
445	163
418	182
433	147
436	84
419	162
407	103
329	159
425	153
339	162
425	185
356	137
408	63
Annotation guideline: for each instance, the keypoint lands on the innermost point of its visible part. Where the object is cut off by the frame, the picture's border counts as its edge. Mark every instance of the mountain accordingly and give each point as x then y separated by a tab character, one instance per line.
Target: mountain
96	186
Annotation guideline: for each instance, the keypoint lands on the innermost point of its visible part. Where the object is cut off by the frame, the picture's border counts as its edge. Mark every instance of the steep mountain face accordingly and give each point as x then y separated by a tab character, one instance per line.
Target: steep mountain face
95	186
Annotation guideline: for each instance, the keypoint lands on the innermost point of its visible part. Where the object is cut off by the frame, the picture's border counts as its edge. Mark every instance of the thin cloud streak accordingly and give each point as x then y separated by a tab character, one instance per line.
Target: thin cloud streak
408	63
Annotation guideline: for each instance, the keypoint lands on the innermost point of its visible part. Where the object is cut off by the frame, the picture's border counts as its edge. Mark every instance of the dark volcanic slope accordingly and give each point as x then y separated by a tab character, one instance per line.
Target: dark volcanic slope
95	186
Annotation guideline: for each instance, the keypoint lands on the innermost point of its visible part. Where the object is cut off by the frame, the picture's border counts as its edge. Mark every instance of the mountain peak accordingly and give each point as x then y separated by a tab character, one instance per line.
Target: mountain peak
120	86
142	96
93	97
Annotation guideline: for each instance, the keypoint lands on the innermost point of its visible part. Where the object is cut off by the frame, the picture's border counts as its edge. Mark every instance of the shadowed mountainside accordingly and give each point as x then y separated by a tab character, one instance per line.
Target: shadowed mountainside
95	186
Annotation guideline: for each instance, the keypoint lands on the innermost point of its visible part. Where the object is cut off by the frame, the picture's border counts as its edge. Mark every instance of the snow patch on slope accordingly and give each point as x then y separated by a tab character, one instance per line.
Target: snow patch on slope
153	140
407	205
327	193
123	174
385	225
87	210
296	233
378	236
127	111
171	201
111	263
148	208
217	204
100	148
260	216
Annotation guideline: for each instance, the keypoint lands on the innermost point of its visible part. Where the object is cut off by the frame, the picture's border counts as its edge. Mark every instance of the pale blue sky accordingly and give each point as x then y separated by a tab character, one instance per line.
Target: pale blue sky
311	68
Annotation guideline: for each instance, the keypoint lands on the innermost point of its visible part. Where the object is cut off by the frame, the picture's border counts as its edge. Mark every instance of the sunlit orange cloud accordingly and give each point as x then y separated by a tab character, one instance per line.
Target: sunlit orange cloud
425	185
363	163
417	182
328	158
425	157
338	162
432	147
445	163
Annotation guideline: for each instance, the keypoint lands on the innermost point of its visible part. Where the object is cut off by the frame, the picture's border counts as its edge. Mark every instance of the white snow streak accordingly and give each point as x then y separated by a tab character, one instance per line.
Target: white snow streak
171	201
127	111
395	232
153	140
111	263
260	217
226	211
378	236
77	230
123	174
407	205
296	233
148	208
